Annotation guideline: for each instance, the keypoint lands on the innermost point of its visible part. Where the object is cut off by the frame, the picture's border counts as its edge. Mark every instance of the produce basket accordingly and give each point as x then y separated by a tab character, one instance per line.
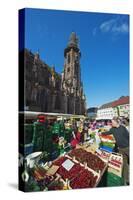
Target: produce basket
87	147
84	179
92	161
105	148
79	176
107	138
107	143
98	173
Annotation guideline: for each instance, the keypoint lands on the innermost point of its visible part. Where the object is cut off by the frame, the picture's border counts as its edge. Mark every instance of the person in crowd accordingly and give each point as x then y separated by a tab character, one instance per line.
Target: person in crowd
103	124
94	124
76	136
121	136
74	126
86	130
124	122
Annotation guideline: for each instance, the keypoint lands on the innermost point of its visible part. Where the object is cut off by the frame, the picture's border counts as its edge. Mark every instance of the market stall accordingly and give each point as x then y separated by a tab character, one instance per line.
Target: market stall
67	162
68	172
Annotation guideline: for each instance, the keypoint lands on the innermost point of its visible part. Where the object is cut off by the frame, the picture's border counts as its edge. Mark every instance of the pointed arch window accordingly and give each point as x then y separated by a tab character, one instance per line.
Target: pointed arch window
68	58
68	69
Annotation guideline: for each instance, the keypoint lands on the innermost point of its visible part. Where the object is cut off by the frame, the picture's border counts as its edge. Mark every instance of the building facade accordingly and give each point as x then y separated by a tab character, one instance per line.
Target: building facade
121	107
48	91
118	108
106	113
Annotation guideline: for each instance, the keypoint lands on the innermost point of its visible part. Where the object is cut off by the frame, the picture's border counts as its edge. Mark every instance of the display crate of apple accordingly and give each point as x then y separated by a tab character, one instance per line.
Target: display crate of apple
63	171
115	164
84	179
87	147
77	175
93	161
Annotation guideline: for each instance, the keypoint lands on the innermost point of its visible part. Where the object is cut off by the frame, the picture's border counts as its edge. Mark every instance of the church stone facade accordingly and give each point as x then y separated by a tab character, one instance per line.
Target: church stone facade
48	91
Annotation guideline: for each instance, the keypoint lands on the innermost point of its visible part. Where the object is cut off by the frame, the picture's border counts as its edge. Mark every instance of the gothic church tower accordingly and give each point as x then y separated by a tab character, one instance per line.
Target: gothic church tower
71	77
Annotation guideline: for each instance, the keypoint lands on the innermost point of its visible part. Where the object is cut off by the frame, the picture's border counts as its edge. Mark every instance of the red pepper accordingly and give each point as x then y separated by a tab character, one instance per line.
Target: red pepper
86	179
93	161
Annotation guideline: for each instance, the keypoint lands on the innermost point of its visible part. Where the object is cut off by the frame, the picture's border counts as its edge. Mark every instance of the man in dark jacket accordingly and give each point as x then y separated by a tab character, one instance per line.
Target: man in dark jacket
121	136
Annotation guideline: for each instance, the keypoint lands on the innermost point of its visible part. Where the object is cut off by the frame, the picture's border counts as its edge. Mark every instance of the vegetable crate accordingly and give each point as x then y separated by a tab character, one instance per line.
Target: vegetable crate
107	143
105	148
77	176
90	159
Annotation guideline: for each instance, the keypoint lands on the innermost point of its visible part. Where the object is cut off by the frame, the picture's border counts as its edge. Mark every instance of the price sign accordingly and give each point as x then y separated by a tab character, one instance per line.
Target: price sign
68	164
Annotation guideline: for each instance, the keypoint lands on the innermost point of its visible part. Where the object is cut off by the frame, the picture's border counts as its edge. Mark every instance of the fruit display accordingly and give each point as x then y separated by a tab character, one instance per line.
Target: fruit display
79	169
78	175
74	171
107	138
107	142
85	179
60	160
92	160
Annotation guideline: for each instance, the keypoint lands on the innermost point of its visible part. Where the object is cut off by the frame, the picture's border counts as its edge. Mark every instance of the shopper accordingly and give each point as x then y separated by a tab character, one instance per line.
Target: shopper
121	136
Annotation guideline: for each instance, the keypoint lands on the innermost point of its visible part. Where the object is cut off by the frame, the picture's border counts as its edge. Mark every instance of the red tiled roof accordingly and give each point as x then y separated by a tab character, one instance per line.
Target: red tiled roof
121	101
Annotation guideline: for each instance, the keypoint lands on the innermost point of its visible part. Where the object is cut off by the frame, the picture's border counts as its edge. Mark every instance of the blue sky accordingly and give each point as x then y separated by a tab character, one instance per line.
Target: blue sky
104	45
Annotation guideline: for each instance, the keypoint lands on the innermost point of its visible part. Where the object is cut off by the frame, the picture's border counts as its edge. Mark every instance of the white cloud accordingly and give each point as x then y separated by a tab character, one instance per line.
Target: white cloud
107	25
116	26
123	28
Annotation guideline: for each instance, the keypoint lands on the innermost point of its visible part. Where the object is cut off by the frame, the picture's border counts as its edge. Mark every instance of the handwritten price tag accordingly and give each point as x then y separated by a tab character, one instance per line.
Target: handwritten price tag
68	164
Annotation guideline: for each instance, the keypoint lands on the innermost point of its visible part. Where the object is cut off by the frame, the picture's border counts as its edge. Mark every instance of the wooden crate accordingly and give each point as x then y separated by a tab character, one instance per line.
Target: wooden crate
115	169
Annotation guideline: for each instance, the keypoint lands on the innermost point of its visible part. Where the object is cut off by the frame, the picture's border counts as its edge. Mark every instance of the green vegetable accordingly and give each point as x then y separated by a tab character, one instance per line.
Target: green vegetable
108	144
